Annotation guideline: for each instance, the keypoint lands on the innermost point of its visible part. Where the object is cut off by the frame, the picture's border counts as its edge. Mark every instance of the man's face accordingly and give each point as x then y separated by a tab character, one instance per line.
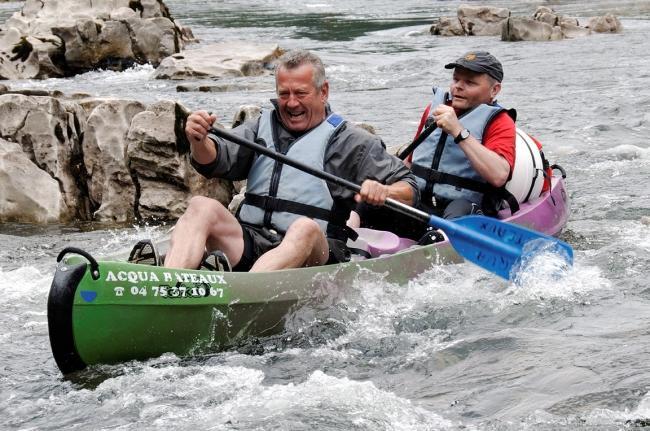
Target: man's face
470	89
301	104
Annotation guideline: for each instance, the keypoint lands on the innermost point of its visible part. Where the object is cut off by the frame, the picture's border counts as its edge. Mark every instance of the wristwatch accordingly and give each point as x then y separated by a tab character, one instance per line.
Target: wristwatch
464	134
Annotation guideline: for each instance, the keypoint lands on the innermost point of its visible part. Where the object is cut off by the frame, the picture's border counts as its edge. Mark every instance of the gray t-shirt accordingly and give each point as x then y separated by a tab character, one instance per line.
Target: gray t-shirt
353	154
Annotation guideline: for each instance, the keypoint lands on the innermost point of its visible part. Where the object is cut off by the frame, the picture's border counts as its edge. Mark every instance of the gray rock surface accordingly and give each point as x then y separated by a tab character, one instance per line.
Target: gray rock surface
54	38
219	61
110	186
482	20
28	194
545	24
49	132
108	160
605	24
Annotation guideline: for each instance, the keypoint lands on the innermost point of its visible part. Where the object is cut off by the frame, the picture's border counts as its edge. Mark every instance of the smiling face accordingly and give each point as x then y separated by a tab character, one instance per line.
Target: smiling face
470	89
301	104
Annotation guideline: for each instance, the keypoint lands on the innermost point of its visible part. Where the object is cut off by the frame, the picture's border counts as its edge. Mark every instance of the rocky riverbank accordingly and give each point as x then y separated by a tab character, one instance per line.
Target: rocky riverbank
110	160
545	24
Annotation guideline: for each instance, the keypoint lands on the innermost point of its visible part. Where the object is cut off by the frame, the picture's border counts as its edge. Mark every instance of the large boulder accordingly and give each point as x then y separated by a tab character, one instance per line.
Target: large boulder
28	194
605	24
518	29
158	159
233	59
110	187
569	27
546	24
482	20
53	38
447	26
97	159
572	31
49	132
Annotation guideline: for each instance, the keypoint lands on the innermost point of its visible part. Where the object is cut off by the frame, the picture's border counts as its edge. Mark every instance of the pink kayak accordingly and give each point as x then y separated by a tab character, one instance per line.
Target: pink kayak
546	214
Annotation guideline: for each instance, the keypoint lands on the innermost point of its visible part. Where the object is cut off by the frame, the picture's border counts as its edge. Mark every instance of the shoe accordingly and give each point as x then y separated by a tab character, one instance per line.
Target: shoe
431	237
144	253
216	260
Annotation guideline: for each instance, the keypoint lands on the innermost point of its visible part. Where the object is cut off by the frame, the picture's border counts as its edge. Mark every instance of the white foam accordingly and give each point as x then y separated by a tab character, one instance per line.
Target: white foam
210	397
628	152
25	284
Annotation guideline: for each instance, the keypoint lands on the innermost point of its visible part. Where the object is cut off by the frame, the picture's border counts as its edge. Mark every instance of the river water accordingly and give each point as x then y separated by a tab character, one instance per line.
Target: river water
456	348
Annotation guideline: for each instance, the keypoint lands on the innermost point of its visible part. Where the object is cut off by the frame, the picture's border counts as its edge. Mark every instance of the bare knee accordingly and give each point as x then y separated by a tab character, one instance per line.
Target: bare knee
203	210
304	230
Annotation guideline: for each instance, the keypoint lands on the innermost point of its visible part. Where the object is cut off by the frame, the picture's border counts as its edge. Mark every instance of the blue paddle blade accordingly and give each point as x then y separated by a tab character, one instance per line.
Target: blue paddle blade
495	245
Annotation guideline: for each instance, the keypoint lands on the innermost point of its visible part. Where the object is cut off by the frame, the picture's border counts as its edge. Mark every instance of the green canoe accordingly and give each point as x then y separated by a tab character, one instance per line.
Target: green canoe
139	311
110	312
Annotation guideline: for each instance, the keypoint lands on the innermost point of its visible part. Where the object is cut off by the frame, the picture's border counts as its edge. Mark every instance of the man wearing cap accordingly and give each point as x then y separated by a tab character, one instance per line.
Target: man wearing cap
463	166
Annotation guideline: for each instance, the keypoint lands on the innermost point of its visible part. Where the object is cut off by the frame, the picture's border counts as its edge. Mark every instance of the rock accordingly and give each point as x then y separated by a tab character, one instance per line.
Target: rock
159	201
605	24
158	159
151	141
569	27
572	31
645	220
89	42
567	20
519	29
220	60
65	37
110	160
447	26
28	194
482	20
23	56
546	24
245	113
214	88
110	186
49	132
546	15
367	127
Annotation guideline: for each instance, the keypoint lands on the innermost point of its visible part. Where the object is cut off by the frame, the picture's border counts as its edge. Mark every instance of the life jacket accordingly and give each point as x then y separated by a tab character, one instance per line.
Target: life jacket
278	194
443	170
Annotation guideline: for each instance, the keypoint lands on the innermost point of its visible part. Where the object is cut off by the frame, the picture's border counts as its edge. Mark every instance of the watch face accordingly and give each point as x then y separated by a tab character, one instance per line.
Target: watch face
464	134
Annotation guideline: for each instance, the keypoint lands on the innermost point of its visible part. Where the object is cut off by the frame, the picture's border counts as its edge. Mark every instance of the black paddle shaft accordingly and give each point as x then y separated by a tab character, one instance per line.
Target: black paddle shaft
417	141
390	203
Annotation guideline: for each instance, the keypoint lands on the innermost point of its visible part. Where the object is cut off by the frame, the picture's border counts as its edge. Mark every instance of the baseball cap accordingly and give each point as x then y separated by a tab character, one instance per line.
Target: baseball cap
481	62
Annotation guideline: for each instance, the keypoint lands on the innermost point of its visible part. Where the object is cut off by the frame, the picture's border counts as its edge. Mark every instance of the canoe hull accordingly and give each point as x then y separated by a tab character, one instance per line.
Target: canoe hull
135	312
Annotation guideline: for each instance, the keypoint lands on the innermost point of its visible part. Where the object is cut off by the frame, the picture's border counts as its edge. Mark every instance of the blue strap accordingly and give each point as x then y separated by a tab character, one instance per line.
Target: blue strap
335	120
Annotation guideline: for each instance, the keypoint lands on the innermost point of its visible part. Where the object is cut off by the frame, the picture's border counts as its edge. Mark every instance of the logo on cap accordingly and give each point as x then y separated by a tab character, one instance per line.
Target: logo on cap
470	57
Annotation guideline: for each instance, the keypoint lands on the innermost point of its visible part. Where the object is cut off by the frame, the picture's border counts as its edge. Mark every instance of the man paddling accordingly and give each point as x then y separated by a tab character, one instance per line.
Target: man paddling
288	219
463	166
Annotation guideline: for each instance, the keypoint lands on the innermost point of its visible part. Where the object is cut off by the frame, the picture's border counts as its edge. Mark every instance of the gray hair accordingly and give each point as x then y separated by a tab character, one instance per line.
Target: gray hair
296	58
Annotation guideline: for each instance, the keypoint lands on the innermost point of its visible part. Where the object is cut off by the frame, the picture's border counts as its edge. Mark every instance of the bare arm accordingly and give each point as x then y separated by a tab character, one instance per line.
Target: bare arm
491	166
196	129
375	193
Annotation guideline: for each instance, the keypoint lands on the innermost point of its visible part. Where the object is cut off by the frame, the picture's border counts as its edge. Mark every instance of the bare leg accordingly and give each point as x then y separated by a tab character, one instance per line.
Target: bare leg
205	222
303	245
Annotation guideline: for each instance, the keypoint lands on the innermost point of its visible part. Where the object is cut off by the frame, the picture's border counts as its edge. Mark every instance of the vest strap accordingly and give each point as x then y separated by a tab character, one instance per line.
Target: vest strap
433	176
500	193
270	203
